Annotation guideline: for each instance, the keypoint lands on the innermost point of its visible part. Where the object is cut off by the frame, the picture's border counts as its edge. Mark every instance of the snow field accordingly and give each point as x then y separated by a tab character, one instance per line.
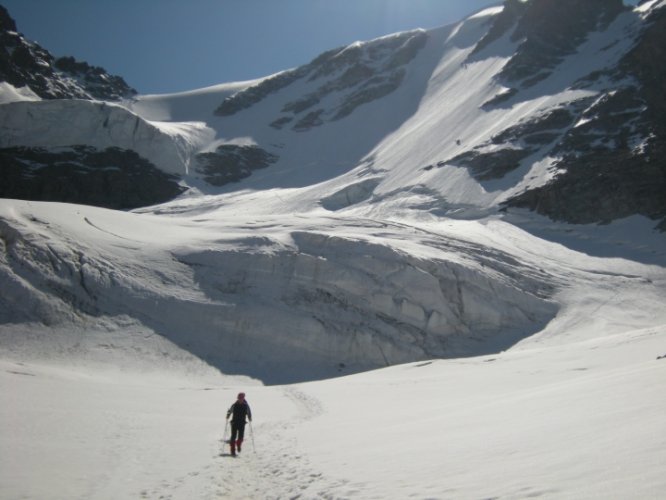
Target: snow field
124	396
575	421
580	420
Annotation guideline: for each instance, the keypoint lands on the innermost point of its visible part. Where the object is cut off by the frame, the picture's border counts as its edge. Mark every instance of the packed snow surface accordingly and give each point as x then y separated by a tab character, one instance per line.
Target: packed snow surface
580	420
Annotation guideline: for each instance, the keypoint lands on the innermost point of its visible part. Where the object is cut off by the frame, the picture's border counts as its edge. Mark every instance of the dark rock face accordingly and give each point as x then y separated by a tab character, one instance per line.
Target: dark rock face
252	95
110	178
6	21
505	21
610	185
24	63
608	148
491	165
312	119
548	31
613	164
95	80
552	30
357	74
230	163
645	63
534	131
374	89
488	162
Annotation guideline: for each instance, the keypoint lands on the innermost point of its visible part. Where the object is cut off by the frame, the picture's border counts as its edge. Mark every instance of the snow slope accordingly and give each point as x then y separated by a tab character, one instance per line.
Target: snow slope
403	141
102	371
580	420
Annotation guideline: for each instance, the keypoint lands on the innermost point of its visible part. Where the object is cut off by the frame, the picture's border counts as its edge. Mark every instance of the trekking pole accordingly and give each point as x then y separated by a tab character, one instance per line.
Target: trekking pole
254	449
224	435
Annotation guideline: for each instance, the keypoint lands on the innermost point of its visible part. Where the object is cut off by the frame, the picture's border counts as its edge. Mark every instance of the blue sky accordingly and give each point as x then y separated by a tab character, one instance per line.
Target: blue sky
175	45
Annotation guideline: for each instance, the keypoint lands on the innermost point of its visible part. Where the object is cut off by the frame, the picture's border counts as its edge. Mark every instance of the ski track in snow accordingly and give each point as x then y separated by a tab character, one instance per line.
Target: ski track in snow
591	407
275	469
269	467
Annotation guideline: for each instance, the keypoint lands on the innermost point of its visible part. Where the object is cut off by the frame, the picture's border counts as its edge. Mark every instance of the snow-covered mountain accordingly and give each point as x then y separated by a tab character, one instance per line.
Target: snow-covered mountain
515	106
490	190
358	211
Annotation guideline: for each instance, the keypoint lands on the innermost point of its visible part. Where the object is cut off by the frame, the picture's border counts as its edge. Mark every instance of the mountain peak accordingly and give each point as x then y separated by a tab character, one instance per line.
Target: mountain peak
6	21
25	63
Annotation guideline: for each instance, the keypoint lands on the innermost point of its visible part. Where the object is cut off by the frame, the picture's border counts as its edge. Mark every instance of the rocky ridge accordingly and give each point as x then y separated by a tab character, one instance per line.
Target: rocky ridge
608	148
25	63
611	162
350	76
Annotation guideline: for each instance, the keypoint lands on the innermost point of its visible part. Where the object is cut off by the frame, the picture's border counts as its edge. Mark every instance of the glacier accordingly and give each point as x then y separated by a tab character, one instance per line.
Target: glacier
401	329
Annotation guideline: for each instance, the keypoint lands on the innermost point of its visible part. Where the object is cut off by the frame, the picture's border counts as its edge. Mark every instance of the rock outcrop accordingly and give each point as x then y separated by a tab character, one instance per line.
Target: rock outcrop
348	76
111	178
231	163
611	165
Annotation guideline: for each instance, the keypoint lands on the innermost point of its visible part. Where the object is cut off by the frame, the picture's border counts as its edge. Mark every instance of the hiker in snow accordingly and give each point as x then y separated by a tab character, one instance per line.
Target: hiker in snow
238	411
